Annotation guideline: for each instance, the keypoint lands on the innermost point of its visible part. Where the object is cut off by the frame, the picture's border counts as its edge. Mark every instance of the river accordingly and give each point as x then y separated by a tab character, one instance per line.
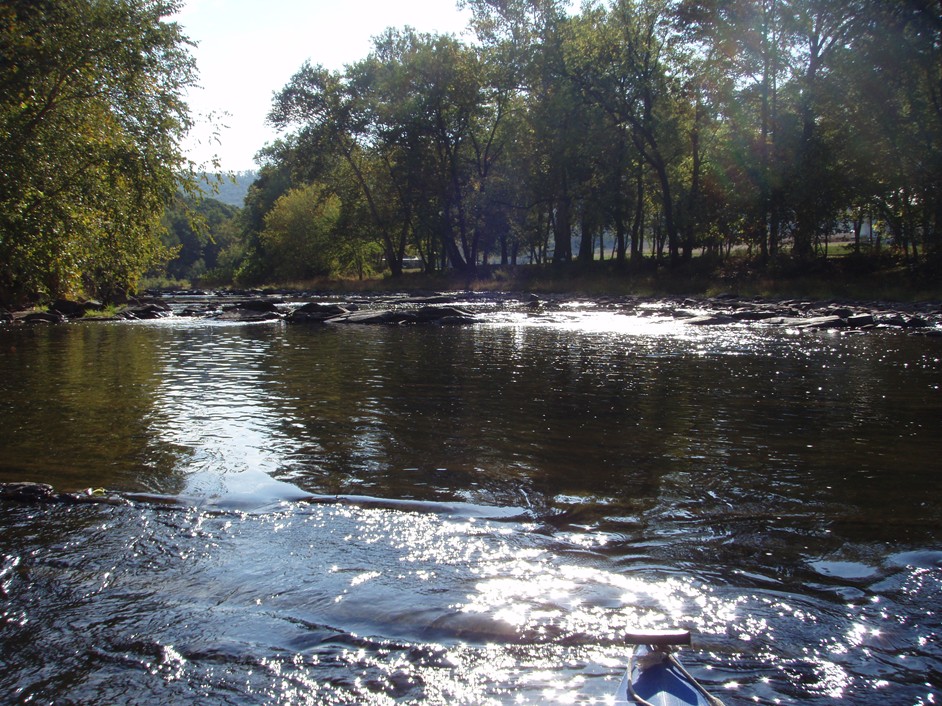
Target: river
469	515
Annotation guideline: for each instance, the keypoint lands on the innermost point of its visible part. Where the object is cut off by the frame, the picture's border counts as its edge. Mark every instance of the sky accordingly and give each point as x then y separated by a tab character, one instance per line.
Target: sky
249	49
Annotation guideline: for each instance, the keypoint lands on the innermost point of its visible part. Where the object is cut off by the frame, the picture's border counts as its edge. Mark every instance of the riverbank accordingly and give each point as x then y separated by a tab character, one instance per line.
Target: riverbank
858	292
847	279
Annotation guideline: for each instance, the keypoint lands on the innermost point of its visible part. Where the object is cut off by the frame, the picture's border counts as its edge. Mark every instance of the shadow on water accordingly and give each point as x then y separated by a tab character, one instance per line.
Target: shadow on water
474	515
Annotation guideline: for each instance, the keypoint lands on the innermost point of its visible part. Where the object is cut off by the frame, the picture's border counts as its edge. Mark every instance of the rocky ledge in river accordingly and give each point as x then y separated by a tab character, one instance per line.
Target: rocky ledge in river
472	307
805	315
461	308
62	311
254	310
315	312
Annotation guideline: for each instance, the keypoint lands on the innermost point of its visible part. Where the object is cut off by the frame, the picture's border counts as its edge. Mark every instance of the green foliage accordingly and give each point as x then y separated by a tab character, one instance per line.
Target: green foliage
203	234
297	238
626	128
91	119
412	133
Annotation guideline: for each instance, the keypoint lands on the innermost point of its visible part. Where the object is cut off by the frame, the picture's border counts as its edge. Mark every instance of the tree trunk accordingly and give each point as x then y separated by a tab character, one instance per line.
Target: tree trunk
637	239
562	231
585	238
620	232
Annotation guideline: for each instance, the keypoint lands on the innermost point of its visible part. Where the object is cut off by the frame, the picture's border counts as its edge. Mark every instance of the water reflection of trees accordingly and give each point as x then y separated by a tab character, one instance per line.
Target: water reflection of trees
78	405
593	425
521	416
548	417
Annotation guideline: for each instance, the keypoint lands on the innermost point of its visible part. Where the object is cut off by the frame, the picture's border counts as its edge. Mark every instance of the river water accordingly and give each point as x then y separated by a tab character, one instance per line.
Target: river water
469	515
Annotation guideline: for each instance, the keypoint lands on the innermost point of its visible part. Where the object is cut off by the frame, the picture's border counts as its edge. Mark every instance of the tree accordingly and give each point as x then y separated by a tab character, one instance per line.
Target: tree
91	123
624	69
905	133
747	46
567	139
332	120
437	115
298	236
822	30
418	125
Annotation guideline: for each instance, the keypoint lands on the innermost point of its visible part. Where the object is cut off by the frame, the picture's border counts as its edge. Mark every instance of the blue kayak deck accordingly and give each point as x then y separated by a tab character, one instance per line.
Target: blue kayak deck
660	685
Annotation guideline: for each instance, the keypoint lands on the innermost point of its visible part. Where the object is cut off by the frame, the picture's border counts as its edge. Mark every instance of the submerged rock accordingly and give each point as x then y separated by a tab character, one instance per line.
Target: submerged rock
372	317
29	492
259	305
709	320
441	314
823	322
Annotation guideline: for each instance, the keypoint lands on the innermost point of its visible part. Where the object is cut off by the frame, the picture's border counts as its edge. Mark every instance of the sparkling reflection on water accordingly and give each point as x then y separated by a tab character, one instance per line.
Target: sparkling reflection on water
514	496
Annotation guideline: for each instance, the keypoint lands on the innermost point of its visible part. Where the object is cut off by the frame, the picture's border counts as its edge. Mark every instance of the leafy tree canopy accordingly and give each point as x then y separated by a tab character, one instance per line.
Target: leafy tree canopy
91	124
661	125
298	231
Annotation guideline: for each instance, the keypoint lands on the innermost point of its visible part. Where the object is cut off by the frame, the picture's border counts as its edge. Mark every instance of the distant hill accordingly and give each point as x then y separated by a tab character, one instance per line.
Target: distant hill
233	187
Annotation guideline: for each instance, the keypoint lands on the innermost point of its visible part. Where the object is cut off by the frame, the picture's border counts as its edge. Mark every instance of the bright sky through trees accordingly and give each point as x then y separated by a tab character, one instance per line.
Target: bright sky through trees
249	49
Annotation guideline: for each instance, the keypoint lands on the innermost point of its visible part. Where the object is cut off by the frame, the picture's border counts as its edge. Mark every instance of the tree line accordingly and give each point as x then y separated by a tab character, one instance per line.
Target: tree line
629	130
670	127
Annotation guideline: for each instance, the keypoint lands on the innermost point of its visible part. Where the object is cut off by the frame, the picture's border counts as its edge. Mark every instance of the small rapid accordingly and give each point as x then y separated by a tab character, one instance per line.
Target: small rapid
322	603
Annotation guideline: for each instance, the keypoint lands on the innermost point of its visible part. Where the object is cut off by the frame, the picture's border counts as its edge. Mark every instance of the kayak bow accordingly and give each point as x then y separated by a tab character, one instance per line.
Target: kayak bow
655	677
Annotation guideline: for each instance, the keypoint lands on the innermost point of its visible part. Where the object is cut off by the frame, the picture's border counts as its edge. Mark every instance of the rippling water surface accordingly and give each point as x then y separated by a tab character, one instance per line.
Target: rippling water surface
380	515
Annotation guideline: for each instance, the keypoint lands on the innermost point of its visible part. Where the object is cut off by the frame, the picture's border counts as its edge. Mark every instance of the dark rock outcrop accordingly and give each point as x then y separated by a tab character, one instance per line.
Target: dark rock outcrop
751	315
27	492
68	309
315	312
144	311
43	317
75	309
250	310
860	321
441	315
